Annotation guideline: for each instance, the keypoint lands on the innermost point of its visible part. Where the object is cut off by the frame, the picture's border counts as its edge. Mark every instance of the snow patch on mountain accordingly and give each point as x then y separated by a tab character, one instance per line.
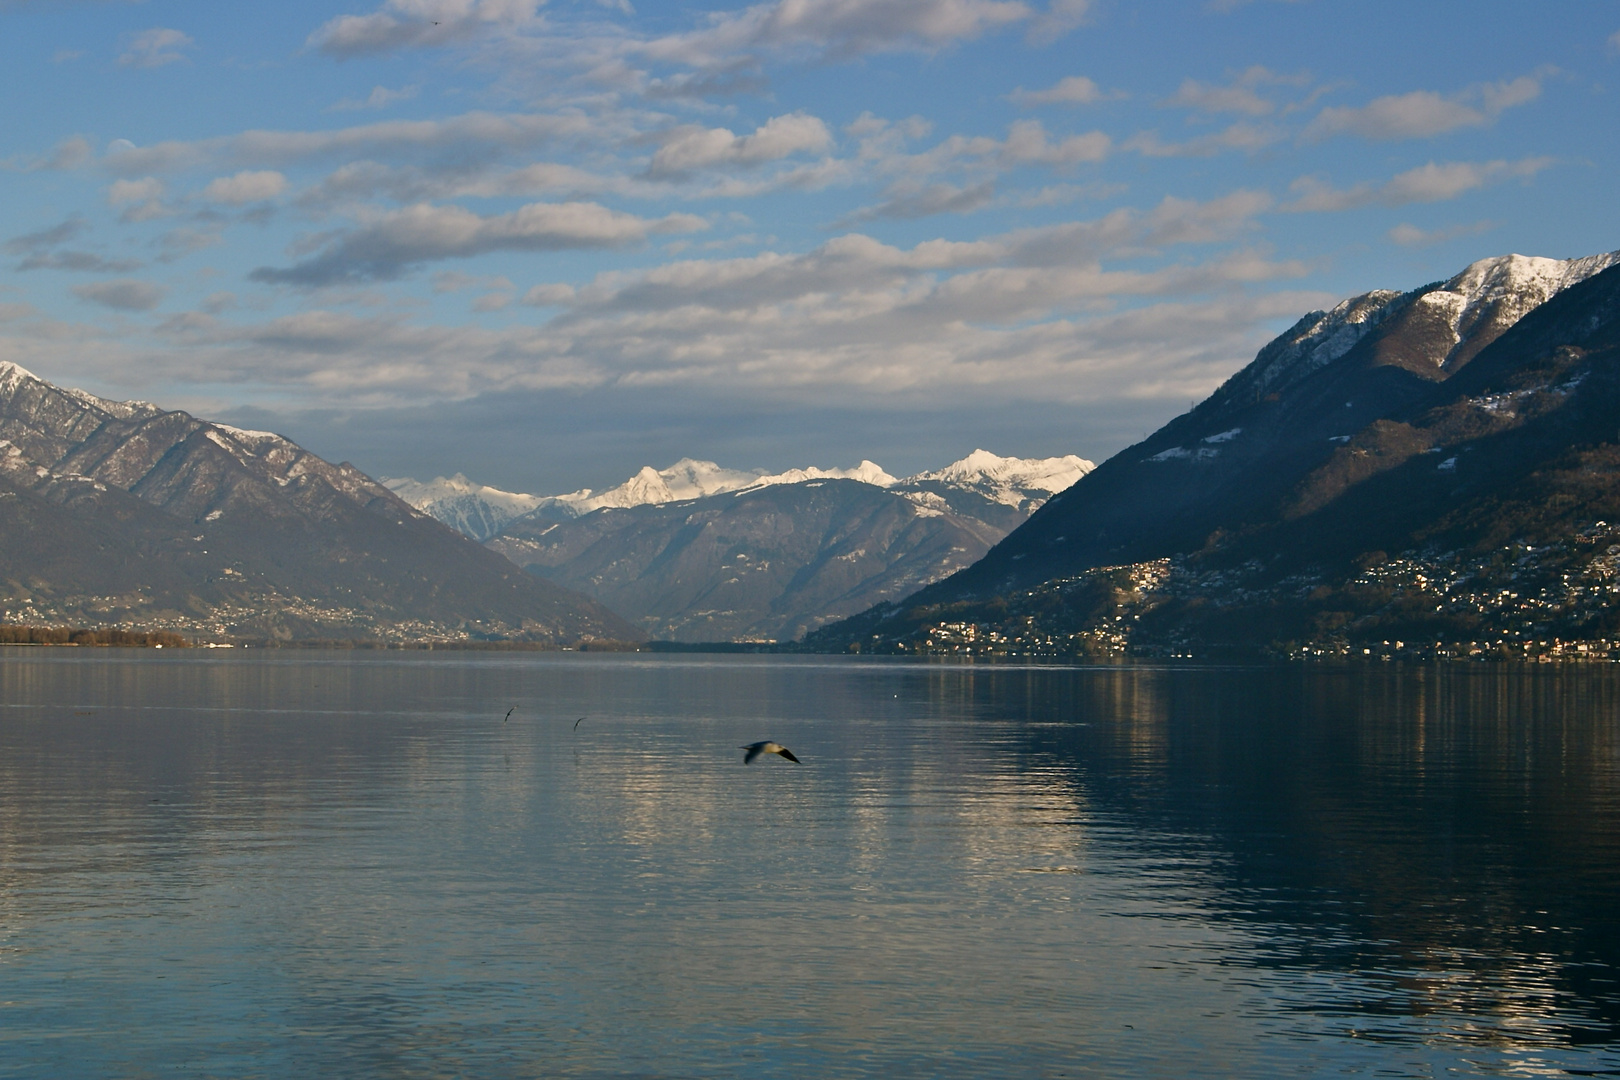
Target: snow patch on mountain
1317	340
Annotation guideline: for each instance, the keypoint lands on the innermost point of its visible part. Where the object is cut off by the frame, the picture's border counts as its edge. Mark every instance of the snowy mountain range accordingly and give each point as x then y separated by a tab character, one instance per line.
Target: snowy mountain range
483	512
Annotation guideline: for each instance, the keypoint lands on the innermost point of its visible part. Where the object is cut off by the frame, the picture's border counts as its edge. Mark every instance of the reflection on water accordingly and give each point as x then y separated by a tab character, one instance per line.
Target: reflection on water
347	864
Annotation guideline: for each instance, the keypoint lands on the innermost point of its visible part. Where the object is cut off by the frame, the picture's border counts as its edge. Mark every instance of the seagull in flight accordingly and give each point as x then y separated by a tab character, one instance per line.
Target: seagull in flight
766	747
577	723
509	713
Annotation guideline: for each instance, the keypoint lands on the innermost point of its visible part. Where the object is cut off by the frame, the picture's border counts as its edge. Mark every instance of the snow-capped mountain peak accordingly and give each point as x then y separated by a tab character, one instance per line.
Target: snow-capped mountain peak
13	374
1009	480
15	378
867	472
477	510
1493	294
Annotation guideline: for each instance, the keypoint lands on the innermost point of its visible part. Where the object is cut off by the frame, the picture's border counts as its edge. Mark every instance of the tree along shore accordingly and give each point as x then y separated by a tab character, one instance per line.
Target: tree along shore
69	635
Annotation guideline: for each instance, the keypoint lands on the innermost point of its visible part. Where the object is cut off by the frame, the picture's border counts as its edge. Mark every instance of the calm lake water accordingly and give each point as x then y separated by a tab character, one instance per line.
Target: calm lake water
290	864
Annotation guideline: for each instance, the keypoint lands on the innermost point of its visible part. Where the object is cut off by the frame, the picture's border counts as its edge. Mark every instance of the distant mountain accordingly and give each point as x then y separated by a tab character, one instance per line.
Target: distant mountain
1398	428
474	510
1001	491
780	554
122	513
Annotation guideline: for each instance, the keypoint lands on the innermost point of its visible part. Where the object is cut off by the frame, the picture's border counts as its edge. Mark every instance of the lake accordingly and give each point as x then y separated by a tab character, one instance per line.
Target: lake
299	864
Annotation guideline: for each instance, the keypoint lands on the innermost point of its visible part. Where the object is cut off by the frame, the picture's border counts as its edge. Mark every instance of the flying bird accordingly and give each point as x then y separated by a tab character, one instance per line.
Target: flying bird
767	747
509	713
576	723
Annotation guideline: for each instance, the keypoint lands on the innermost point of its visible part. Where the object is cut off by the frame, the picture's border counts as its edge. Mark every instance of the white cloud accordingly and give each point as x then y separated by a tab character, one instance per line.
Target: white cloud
1071	90
1060	17
911	201
178	243
1240	136
154	48
472	135
245	187
690	149
380	98
364	180
128	191
73	152
392	243
1082	311
1411	236
453	281
400	24
1424	184
127	294
142	199
1008	277
83	262
838	29
1027	144
1240	96
1425	113
57	234
42	251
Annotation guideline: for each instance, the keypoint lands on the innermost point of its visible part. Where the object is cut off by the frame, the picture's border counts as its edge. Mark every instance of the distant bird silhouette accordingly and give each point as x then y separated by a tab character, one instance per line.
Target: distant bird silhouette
766	747
576	723
509	713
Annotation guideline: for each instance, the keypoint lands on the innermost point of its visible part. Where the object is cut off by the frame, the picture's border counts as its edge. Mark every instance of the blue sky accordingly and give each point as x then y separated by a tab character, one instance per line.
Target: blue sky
547	243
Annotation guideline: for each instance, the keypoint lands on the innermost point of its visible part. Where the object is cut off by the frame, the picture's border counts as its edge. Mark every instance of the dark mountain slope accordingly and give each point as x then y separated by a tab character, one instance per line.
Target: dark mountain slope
1543	395
1240	456
120	512
1269	511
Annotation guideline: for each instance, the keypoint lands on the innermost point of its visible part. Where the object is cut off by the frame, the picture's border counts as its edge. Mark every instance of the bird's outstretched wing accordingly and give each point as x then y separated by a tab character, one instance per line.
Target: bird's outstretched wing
753	752
785	752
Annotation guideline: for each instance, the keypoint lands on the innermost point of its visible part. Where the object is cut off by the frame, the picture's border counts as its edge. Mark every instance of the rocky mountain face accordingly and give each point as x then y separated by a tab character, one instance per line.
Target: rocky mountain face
1431	430
781	554
122	513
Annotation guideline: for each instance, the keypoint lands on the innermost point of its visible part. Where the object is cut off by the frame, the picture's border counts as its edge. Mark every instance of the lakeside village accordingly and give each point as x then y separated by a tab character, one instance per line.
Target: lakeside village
1523	601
